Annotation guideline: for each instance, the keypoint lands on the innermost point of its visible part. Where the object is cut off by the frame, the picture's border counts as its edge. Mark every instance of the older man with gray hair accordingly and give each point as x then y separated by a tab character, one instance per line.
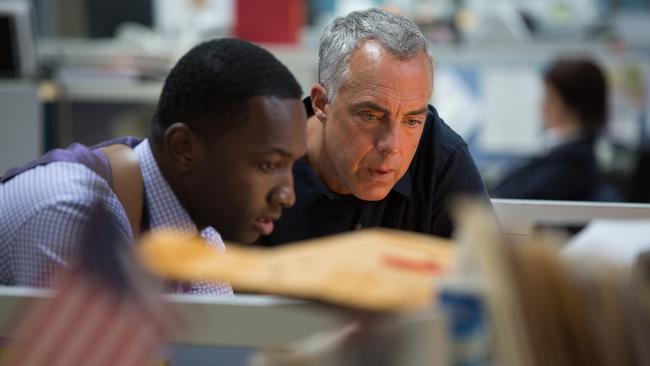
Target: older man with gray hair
378	155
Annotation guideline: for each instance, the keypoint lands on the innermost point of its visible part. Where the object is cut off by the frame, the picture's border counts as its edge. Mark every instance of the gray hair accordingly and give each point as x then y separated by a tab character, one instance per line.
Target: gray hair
345	34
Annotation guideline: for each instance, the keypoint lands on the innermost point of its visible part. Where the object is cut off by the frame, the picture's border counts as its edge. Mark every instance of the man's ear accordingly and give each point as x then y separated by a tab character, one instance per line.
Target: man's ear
182	146
319	102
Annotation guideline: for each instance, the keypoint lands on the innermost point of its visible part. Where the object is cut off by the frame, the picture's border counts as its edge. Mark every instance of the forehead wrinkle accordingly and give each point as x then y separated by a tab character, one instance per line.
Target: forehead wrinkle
368	82
373	84
351	85
387	96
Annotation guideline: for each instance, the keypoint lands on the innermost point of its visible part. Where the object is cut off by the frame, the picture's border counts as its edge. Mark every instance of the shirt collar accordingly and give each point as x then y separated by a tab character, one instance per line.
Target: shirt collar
403	186
315	187
164	208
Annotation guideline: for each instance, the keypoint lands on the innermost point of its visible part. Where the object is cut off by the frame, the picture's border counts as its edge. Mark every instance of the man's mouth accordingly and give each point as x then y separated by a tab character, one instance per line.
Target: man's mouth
264	225
380	173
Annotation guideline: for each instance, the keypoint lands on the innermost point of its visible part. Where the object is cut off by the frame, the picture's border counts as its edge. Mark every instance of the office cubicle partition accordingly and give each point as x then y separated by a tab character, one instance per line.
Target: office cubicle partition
231	330
519	218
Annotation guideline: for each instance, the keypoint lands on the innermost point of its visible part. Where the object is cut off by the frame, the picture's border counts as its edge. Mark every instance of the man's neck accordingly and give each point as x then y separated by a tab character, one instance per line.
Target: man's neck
318	157
167	172
560	135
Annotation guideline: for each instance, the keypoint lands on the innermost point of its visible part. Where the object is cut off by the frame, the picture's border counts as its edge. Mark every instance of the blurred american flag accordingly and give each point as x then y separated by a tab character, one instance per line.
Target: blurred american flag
104	310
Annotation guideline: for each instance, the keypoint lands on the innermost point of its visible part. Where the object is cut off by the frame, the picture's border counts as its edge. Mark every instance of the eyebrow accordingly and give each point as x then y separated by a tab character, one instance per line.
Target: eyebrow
369	105
279	151
375	106
418	111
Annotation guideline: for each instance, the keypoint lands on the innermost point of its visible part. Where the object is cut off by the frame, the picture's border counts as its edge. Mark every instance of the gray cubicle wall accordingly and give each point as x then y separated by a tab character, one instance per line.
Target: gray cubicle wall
21	133
226	330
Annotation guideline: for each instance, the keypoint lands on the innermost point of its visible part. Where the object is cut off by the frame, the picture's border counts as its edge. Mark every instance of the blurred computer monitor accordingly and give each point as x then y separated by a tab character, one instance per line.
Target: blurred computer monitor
520	218
18	56
104	17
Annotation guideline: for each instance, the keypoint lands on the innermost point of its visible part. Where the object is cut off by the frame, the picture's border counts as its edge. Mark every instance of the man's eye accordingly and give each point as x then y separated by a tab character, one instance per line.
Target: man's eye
413	122
370	117
267	166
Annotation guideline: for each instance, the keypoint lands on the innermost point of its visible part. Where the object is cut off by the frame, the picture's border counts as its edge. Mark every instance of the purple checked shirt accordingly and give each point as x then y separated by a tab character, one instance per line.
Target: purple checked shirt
43	210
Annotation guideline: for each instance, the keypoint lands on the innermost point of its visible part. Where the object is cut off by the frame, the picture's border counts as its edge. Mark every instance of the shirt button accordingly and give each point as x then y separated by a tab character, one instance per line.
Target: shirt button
357	226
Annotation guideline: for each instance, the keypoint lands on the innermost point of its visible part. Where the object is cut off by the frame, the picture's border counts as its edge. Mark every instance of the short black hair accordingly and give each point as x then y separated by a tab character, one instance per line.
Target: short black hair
209	87
581	84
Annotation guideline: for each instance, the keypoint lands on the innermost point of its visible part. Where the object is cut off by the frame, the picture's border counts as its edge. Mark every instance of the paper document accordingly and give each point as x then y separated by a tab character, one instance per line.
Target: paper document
619	241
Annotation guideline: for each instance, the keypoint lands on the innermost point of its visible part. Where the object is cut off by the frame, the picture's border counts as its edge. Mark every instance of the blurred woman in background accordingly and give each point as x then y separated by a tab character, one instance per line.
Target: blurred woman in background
574	111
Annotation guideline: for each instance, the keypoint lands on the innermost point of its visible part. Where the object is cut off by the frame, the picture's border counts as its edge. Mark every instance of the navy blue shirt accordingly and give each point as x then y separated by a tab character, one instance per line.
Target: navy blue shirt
441	168
568	172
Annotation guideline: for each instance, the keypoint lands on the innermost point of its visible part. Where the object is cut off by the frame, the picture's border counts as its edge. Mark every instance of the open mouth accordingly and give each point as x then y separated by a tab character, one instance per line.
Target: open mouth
380	174
264	225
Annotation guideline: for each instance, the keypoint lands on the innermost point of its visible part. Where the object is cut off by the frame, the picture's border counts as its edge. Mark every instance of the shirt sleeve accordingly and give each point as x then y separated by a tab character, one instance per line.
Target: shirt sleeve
54	214
46	242
548	182
458	176
213	238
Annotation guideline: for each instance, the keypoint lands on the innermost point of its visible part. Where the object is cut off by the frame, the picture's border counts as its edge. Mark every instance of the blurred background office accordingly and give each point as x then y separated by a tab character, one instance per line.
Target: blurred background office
574	114
88	70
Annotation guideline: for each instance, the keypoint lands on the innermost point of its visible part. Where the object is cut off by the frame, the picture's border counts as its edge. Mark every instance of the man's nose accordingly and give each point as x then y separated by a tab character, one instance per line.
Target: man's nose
283	194
389	141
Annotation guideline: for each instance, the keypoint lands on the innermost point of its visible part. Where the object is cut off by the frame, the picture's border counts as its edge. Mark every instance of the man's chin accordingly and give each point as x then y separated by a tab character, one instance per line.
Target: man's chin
373	193
249	238
242	237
